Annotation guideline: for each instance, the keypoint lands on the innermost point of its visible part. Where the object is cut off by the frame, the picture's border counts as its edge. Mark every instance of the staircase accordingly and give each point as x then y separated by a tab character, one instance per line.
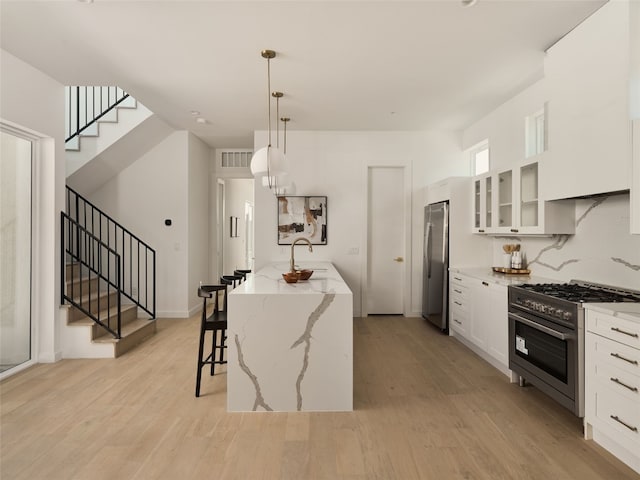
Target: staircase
84	337
109	279
108	273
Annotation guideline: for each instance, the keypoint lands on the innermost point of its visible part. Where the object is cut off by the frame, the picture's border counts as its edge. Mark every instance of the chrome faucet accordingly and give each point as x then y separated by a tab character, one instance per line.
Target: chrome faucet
297	240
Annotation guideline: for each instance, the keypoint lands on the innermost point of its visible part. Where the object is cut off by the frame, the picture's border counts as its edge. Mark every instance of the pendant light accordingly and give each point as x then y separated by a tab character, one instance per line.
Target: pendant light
285	186
268	160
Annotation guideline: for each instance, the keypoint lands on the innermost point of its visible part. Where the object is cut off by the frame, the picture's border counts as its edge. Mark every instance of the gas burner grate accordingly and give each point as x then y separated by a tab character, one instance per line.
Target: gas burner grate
575	292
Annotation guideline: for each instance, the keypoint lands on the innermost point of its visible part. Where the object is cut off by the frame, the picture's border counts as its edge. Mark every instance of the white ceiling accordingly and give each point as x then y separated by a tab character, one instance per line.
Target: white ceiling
342	65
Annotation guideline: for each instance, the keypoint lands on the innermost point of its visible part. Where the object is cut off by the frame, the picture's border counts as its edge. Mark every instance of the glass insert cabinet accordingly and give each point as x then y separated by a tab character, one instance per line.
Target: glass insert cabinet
506	202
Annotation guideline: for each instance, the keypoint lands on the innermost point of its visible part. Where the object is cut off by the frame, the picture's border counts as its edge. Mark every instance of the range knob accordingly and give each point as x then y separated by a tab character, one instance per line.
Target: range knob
566	316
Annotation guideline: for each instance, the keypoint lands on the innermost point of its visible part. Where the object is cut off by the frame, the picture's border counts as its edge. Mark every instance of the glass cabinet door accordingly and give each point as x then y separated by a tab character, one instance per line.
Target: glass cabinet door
476	203
505	199
489	200
529	215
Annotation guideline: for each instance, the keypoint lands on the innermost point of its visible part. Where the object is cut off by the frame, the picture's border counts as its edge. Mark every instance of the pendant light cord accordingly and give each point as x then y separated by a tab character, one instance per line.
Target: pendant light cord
269	96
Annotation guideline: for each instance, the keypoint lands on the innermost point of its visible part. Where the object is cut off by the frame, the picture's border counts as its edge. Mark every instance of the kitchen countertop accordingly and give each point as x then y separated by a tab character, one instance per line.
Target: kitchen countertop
628	311
269	281
488	275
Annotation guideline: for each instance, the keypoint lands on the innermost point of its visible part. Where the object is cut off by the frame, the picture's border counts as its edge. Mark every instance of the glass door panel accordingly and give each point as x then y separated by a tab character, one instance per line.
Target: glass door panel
15	251
505	199
489	201
529	195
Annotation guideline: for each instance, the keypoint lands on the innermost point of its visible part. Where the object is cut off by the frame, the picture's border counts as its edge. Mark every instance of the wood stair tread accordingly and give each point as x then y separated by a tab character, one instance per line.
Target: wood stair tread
127	329
113	311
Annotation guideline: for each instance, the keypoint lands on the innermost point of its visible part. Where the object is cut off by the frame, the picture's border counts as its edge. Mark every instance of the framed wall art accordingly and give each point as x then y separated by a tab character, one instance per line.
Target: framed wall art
300	216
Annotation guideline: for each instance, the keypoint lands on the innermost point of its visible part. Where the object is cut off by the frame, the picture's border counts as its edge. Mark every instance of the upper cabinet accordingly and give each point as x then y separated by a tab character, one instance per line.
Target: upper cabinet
511	204
588	81
482	203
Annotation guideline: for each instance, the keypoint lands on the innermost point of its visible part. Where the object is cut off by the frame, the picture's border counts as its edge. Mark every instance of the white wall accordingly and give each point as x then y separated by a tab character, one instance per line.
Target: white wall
199	215
601	251
335	164
34	101
141	197
504	126
237	193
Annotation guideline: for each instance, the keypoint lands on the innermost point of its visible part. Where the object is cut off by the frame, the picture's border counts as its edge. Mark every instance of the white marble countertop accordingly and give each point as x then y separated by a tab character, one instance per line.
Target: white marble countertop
628	311
488	275
268	280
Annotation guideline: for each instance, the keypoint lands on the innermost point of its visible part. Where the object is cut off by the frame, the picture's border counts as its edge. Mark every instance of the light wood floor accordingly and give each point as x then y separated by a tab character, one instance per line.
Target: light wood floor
426	408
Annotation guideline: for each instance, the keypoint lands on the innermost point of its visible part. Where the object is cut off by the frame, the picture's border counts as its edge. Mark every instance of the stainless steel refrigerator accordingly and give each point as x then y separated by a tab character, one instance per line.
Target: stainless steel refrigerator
435	270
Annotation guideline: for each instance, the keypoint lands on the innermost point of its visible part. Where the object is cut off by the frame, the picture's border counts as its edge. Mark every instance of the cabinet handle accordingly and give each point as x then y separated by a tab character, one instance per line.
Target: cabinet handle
481	230
458	279
457	321
514	230
633	429
615	380
458	303
617	355
457	291
616	329
485	284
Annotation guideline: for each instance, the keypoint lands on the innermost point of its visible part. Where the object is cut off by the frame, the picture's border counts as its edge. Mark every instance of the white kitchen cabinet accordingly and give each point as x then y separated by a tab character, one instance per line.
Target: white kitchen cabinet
587	76
489	319
459	304
612	384
482	203
517	206
479	318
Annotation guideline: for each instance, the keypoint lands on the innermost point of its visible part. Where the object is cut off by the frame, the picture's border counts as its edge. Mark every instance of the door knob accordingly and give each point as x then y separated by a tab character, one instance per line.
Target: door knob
398	259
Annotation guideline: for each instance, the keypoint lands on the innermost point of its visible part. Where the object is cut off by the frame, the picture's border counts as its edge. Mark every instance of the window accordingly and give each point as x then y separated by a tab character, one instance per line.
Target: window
480	159
536	133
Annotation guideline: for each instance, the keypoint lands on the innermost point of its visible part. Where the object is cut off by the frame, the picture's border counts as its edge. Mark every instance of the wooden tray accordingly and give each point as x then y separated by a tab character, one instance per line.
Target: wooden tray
512	271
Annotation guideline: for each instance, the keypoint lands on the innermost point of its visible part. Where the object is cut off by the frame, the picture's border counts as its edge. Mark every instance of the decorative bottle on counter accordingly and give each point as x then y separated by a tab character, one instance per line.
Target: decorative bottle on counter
516	260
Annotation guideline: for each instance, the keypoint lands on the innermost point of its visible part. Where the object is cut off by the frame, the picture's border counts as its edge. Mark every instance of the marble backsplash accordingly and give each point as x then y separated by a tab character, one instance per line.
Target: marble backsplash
601	251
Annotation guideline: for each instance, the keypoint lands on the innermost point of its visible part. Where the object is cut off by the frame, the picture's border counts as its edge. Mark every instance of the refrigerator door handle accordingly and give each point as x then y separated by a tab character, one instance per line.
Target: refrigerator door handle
429	250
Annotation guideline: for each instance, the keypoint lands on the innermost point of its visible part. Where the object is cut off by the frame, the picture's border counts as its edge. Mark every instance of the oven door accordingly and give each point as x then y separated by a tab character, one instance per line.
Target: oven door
546	354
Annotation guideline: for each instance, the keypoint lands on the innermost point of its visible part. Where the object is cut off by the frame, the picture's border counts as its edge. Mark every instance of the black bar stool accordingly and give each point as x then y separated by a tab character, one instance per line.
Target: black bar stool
217	324
242	273
231	280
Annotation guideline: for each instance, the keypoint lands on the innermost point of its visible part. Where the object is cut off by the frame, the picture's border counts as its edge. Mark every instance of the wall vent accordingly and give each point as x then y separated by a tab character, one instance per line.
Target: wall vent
235	158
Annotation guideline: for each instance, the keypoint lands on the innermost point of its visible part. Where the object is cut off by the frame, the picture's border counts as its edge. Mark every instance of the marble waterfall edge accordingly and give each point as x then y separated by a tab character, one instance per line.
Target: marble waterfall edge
290	345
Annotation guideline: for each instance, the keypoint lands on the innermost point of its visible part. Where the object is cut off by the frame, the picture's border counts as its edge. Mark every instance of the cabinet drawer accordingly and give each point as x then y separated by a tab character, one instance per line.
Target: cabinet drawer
616	380
459	322
459	280
459	301
617	414
603	351
618	329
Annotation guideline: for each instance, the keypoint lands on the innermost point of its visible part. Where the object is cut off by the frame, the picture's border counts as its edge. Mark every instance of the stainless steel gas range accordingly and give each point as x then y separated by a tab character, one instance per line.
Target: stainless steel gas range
546	335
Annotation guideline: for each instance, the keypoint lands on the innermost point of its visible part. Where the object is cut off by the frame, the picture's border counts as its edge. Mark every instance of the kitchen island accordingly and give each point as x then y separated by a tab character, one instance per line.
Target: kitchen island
290	346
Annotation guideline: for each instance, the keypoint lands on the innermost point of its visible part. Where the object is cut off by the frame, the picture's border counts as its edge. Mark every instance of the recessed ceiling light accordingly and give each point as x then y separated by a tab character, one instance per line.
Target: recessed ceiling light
468	3
195	113
201	120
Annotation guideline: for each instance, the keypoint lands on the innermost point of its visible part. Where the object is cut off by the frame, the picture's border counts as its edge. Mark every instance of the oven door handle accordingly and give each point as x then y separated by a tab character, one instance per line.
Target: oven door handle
542	328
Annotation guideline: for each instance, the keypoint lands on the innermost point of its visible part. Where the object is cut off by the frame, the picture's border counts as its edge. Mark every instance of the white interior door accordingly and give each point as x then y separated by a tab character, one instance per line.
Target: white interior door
220	223
386	241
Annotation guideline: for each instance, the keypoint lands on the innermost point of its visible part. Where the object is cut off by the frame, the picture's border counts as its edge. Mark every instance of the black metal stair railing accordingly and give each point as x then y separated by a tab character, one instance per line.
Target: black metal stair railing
87	105
137	260
91	262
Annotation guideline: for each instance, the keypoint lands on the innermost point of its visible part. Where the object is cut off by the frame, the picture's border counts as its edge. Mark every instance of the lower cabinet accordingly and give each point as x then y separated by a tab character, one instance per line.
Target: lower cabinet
612	385
479	316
